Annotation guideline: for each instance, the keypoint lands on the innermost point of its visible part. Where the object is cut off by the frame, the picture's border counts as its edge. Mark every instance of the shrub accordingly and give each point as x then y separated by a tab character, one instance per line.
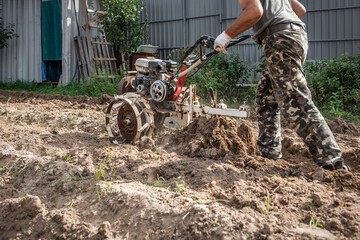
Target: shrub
335	83
224	73
122	24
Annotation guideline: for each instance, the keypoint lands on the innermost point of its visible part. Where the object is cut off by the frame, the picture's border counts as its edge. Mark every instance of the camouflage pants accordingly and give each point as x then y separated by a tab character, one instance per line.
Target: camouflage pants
283	88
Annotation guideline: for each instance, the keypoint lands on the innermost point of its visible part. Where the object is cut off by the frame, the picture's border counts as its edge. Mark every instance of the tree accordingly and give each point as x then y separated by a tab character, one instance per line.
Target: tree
122	25
6	31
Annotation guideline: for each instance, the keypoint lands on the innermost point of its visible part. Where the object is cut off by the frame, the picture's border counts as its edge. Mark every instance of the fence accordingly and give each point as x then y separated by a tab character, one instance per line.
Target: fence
333	25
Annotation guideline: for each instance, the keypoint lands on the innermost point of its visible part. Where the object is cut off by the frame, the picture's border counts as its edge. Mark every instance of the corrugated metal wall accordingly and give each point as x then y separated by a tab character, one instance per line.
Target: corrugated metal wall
333	25
22	58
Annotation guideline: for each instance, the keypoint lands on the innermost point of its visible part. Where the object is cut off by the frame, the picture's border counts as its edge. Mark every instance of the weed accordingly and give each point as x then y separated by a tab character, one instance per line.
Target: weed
108	187
267	203
19	166
75	179
7	103
110	155
160	150
74	121
314	223
72	204
68	159
100	172
157	182
179	187
107	190
288	179
214	223
310	202
179	184
221	200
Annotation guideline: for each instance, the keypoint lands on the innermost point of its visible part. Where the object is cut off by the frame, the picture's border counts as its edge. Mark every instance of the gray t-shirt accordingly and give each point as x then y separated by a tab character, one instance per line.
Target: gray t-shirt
276	12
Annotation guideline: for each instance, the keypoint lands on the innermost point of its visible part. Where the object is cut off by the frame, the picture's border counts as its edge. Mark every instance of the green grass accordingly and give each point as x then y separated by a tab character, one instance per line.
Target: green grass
314	223
267	204
93	88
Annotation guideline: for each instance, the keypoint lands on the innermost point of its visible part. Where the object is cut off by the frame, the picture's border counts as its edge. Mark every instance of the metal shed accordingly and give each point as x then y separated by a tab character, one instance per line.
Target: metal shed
22	59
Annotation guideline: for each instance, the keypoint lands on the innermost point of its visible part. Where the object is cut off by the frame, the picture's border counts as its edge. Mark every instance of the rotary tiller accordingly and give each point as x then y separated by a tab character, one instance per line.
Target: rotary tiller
154	95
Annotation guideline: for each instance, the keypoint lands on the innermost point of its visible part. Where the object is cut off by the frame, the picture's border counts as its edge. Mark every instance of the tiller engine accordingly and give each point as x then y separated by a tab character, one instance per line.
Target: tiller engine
154	94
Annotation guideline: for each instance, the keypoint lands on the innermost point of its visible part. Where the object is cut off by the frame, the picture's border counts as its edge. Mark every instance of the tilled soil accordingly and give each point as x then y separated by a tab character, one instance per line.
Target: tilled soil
61	178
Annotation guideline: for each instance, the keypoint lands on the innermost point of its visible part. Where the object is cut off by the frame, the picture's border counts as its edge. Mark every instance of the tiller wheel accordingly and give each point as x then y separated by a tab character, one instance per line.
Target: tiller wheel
131	116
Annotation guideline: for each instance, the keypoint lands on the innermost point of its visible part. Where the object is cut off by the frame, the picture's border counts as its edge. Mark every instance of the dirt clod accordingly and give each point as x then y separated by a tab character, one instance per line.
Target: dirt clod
215	137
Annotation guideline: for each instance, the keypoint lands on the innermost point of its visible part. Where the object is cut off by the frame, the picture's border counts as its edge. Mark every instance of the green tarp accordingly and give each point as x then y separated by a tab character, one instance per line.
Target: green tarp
51	29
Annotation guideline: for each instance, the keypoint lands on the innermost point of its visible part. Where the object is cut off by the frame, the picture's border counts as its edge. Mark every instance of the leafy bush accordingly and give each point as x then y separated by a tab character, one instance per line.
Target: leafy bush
122	24
224	73
335	84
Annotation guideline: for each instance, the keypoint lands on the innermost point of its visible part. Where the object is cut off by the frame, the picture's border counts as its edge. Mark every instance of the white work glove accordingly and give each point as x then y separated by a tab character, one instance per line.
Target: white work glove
221	42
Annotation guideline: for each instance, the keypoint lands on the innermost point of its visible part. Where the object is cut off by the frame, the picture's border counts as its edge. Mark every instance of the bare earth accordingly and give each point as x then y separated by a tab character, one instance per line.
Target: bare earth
60	178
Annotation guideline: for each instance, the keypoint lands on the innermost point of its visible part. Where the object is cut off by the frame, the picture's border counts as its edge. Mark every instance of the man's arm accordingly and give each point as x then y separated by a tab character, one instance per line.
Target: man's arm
298	8
252	12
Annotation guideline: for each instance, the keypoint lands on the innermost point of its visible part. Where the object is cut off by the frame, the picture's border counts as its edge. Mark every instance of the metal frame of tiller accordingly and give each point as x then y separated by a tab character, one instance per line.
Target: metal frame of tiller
143	115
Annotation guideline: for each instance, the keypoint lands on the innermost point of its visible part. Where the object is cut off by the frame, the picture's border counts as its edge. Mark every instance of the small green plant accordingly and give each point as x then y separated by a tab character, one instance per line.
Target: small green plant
267	203
179	185
68	159
100	172
310	202
221	200
293	172
72	204
314	223
107	189
79	178
157	182
178	130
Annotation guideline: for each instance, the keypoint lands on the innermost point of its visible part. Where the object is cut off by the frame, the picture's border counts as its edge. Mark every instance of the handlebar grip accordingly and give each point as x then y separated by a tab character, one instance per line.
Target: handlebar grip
237	40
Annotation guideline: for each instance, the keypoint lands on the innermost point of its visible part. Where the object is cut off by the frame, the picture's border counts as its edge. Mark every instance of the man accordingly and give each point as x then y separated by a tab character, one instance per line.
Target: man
281	33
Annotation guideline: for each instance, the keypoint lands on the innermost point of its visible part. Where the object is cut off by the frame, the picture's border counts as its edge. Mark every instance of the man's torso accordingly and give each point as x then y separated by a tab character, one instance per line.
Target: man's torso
276	12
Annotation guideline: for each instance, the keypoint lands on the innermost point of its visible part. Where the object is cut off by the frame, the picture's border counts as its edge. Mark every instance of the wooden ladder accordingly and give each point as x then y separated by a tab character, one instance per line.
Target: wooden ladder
101	53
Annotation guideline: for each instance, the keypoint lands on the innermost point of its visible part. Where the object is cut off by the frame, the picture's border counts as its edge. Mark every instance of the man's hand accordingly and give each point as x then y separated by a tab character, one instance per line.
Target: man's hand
221	42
